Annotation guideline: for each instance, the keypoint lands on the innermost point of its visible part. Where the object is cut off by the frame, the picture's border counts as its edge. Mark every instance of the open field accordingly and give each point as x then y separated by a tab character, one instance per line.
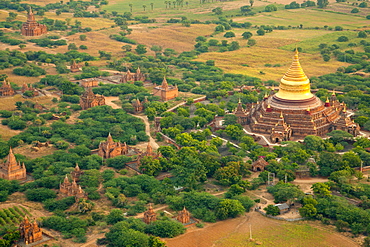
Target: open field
306	17
176	36
311	45
268	232
8	103
256	57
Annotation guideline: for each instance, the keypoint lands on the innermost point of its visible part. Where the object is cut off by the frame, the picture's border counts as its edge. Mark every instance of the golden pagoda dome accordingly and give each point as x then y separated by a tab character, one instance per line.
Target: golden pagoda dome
295	85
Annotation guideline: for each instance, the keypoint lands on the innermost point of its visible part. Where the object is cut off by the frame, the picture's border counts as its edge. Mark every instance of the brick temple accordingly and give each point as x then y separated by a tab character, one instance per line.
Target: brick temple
30	231
166	92
11	169
31	27
72	189
294	111
6	89
89	99
130	77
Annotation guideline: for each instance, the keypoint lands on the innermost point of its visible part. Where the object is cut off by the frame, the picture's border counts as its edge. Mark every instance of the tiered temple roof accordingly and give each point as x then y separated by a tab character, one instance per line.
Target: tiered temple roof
166	92
30	231
89	99
31	27
6	89
11	169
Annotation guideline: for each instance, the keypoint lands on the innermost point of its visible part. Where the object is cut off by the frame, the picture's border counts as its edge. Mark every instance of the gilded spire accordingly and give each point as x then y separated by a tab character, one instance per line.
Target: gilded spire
327	100
295	72
295	85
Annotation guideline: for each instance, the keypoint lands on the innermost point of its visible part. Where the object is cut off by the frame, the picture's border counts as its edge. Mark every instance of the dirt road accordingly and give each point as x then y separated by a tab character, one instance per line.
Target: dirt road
153	143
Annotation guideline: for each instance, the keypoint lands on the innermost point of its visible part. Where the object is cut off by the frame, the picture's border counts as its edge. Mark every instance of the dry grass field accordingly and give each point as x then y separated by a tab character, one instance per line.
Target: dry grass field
8	103
176	37
307	17
251	61
267	232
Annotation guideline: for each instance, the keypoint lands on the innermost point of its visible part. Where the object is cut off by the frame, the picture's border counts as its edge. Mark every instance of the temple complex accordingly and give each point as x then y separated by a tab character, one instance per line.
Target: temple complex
166	92
6	89
183	216
149	215
130	77
111	149
74	67
89	99
294	111
11	169
72	189
30	232
31	27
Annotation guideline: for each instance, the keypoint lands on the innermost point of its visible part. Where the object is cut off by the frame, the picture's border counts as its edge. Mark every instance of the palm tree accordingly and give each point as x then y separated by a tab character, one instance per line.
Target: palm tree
169	4
166	2
144	7
130	7
151	5
174	4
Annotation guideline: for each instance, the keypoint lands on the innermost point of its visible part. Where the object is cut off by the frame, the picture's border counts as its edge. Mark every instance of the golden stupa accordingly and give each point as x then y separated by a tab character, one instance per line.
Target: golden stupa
295	85
294	111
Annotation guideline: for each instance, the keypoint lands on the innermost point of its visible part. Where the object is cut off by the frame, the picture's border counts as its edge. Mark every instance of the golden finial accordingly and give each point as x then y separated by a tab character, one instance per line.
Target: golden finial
327	100
239	101
255	121
268	106
314	128
295	72
308	109
281	115
345	108
333	93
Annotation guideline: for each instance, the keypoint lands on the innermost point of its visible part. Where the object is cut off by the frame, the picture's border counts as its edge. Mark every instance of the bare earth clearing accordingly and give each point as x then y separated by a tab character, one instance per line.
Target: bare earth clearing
269	232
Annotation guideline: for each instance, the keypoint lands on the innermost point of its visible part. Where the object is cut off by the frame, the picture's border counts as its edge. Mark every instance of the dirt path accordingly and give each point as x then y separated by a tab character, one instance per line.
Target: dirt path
92	243
153	143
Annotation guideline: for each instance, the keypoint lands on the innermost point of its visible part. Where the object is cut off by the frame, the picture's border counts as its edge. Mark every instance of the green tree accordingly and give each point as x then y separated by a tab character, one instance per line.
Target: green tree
321	190
165	228
322	3
247	35
261	32
272	210
229	208
308	211
141	49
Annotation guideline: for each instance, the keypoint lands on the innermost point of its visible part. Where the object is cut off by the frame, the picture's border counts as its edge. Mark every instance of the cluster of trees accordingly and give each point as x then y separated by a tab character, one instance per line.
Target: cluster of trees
295	5
202	45
29	69
46	42
209	208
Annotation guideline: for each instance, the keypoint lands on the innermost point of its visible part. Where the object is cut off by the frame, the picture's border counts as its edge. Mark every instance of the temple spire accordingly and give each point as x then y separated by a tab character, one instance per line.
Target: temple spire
295	85
11	159
109	138
164	83
295	72
30	16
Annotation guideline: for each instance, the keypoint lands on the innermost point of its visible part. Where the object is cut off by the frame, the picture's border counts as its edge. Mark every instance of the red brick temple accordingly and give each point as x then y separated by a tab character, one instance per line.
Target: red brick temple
31	27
